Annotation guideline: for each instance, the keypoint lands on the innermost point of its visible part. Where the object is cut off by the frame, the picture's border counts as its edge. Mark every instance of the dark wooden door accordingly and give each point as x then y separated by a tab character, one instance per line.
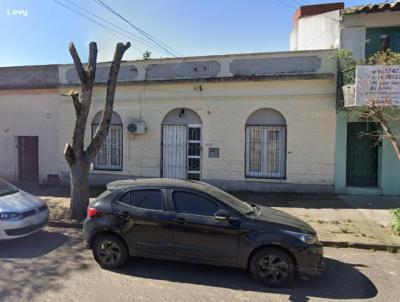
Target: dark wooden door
28	158
362	155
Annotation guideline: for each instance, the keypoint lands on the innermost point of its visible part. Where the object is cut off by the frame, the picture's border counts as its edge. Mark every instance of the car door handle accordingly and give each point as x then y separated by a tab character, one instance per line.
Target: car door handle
123	214
179	220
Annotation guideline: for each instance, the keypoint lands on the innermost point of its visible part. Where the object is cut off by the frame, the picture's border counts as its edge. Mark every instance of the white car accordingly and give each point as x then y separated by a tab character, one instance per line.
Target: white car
21	213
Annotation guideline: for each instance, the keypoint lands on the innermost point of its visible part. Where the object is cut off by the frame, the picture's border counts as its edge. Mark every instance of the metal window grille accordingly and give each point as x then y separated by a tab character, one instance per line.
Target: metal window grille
109	156
266	151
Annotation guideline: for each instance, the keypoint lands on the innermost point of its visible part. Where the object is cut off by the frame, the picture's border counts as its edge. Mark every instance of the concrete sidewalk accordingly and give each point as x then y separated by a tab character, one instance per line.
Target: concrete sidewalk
339	220
351	220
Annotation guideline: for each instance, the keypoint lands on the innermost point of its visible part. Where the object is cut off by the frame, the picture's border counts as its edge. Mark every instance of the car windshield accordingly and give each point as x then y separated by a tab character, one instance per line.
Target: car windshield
7	188
234	202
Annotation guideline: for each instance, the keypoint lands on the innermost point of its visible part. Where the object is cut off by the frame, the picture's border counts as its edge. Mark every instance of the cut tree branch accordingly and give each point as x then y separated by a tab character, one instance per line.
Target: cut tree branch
75	99
69	154
386	130
102	130
78	63
92	61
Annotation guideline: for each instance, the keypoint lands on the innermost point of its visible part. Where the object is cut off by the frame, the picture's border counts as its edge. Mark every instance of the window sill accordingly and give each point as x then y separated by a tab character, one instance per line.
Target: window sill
249	178
105	170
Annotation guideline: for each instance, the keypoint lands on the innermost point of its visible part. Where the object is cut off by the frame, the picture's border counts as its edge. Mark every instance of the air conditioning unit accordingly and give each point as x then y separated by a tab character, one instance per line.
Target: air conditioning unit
137	128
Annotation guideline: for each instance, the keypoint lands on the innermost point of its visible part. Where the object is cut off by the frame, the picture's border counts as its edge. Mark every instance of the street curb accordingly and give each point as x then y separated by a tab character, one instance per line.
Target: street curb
337	244
65	224
365	246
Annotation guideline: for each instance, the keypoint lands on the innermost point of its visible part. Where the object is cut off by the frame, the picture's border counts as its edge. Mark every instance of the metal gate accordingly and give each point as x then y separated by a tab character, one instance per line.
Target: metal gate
181	151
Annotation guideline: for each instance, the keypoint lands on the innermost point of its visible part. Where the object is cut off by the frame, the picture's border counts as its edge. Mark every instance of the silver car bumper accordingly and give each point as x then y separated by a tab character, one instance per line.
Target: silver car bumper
23	227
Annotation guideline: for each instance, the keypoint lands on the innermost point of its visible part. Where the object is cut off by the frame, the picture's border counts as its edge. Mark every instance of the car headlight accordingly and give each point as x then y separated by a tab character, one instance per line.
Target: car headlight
306	238
10	216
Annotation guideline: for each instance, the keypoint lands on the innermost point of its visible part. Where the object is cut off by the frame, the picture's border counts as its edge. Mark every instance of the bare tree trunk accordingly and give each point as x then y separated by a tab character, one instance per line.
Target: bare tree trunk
79	180
77	157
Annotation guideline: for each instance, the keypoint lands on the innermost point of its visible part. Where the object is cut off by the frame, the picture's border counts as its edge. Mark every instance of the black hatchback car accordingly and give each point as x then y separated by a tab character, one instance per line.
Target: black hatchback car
195	222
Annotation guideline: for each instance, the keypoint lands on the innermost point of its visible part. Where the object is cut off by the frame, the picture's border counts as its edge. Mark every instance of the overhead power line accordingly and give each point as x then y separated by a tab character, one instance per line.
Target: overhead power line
296	7
131	34
114	32
168	49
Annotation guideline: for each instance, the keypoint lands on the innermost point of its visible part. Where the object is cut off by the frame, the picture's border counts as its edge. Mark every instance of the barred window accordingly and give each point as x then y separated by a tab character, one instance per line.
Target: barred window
266	145
109	156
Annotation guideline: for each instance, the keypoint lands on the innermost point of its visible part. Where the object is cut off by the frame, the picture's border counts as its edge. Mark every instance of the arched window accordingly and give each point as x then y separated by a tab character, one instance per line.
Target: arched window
181	144
266	144
110	153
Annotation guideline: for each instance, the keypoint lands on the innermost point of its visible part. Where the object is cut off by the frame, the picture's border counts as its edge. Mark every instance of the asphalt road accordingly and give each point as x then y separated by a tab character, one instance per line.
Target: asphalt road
54	266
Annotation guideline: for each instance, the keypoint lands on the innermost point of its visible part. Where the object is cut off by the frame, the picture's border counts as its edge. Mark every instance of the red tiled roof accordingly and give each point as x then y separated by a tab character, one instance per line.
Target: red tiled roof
373	8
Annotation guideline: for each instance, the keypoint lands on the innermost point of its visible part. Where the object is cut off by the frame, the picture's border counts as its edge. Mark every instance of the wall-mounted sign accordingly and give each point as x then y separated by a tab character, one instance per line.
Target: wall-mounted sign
213	152
380	84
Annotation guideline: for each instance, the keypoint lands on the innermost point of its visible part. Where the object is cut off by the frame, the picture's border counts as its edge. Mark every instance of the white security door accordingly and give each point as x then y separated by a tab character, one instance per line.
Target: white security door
181	151
174	151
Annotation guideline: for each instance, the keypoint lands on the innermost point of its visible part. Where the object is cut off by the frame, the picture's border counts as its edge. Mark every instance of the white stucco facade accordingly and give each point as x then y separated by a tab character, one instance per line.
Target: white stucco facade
299	85
336	29
316	32
28	112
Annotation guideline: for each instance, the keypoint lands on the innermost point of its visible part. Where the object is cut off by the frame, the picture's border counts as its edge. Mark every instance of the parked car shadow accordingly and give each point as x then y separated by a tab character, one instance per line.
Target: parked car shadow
30	266
33	246
339	280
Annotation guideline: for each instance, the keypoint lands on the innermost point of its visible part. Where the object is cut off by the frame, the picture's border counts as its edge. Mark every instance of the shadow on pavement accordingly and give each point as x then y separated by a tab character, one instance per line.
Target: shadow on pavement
55	191
339	281
35	245
32	265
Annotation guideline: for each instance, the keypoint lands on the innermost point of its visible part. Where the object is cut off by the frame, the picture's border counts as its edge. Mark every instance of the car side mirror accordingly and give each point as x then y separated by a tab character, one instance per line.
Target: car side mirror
221	215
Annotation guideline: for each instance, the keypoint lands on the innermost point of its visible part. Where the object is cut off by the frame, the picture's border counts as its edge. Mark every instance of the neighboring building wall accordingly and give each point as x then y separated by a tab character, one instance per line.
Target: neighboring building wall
354	27
28	112
316	32
353	36
388	163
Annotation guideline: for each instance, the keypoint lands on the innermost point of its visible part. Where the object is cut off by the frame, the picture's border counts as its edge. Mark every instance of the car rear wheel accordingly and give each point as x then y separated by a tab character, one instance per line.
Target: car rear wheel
272	267
109	251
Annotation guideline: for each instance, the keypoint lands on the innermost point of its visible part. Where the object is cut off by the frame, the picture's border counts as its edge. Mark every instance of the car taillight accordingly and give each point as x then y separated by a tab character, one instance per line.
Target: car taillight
91	212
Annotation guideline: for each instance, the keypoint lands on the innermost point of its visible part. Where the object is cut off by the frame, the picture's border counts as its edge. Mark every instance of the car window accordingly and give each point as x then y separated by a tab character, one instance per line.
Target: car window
7	188
145	199
190	203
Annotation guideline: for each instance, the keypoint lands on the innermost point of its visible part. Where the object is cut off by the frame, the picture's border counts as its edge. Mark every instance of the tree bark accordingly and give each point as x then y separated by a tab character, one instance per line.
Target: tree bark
77	157
388	132
79	181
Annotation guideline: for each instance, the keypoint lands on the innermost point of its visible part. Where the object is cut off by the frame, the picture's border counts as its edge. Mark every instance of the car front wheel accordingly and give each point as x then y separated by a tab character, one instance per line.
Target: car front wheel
272	267
109	251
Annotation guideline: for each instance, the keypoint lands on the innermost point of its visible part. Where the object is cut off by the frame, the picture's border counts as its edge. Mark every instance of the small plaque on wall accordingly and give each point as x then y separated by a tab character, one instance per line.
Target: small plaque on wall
213	152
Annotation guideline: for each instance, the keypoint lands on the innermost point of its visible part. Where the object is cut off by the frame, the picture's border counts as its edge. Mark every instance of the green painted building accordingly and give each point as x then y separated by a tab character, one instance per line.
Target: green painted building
362	165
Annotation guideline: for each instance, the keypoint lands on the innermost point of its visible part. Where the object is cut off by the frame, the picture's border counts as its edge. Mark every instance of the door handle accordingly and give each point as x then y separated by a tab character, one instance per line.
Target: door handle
123	214
179	220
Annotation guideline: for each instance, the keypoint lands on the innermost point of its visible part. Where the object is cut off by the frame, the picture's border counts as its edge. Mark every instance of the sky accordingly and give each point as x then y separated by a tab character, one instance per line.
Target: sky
38	31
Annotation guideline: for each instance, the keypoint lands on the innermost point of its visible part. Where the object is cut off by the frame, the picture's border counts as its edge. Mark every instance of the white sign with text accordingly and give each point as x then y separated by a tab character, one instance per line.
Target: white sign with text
379	83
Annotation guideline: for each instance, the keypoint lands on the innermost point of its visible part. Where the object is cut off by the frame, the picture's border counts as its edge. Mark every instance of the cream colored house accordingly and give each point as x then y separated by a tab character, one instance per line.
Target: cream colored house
261	121
29	100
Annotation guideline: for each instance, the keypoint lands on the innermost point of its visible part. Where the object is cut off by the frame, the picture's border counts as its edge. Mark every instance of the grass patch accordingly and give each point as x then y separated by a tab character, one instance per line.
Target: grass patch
396	221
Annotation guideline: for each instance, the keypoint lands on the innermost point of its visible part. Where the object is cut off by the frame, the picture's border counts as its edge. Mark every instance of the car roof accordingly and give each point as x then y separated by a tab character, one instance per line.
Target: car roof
157	182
